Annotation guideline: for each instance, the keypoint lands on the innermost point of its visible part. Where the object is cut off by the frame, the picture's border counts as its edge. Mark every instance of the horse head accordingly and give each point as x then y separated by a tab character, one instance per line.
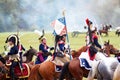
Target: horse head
31	51
110	49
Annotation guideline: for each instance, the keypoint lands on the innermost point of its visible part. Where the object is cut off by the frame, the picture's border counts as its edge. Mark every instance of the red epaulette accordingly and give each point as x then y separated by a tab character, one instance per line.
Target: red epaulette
95	36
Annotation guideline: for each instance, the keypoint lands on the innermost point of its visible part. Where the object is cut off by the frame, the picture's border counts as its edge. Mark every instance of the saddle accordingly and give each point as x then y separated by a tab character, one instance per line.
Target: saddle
59	62
18	72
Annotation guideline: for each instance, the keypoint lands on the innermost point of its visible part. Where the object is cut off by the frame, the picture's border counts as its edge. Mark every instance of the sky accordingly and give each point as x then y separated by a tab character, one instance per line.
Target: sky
38	14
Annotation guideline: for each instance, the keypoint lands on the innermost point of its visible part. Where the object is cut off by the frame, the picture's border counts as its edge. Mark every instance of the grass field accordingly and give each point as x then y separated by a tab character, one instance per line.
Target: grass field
31	39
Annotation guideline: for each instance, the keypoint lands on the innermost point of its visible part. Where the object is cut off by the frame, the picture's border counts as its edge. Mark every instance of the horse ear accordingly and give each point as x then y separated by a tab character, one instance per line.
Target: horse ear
30	47
105	42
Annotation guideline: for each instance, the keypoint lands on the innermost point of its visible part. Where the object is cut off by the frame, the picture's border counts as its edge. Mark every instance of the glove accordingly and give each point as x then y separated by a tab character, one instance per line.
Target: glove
6	53
48	49
51	48
102	47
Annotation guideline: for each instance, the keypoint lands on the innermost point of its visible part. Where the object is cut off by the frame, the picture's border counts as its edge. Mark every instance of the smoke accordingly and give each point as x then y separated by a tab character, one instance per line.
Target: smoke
38	14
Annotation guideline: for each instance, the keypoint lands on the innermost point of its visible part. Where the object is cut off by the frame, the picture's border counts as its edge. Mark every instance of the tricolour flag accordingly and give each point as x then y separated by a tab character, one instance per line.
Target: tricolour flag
59	26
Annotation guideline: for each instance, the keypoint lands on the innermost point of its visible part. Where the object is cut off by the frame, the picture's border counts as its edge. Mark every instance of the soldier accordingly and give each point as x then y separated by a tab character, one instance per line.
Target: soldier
13	55
92	38
44	48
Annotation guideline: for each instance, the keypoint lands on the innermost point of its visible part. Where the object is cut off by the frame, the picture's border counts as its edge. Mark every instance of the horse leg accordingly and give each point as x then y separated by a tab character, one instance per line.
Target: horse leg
116	73
92	72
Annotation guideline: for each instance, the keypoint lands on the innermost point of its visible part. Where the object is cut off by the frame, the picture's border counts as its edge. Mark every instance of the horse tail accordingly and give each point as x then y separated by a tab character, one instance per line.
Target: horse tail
116	73
34	74
65	71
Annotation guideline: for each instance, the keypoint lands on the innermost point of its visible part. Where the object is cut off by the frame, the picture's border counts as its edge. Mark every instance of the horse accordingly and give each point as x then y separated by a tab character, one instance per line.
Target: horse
117	32
76	70
47	68
75	33
110	49
105	30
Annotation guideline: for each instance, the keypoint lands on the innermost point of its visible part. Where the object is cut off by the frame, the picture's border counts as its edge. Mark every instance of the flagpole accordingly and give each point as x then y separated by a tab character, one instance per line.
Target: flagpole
67	35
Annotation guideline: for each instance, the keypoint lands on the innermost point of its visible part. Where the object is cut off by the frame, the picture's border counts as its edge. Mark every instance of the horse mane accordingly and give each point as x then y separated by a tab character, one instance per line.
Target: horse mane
78	52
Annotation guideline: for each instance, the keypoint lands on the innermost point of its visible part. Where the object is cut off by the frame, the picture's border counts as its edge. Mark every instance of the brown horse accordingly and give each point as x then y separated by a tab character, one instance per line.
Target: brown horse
105	30
44	71
47	68
4	70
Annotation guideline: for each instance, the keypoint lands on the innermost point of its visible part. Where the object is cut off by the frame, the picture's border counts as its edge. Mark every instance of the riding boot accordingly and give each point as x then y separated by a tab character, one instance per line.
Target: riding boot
12	70
12	74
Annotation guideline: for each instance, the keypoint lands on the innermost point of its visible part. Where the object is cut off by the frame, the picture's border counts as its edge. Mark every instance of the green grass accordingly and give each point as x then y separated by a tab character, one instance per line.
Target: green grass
31	39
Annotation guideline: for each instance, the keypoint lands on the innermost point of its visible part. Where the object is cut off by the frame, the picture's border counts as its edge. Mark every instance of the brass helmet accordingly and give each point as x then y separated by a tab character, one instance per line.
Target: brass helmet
13	38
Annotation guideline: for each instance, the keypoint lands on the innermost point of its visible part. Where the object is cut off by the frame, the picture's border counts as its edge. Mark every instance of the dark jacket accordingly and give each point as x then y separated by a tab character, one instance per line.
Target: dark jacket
43	48
13	50
95	41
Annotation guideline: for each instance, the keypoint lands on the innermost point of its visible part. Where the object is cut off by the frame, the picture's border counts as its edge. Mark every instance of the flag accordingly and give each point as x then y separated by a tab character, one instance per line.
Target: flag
59	26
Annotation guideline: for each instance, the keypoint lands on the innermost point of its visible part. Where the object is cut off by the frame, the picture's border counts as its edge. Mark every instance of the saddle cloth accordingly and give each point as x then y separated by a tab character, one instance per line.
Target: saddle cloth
85	60
84	63
20	73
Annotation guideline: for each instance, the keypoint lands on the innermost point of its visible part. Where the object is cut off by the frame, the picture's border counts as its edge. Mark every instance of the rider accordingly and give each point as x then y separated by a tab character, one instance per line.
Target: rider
94	38
44	48
13	55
